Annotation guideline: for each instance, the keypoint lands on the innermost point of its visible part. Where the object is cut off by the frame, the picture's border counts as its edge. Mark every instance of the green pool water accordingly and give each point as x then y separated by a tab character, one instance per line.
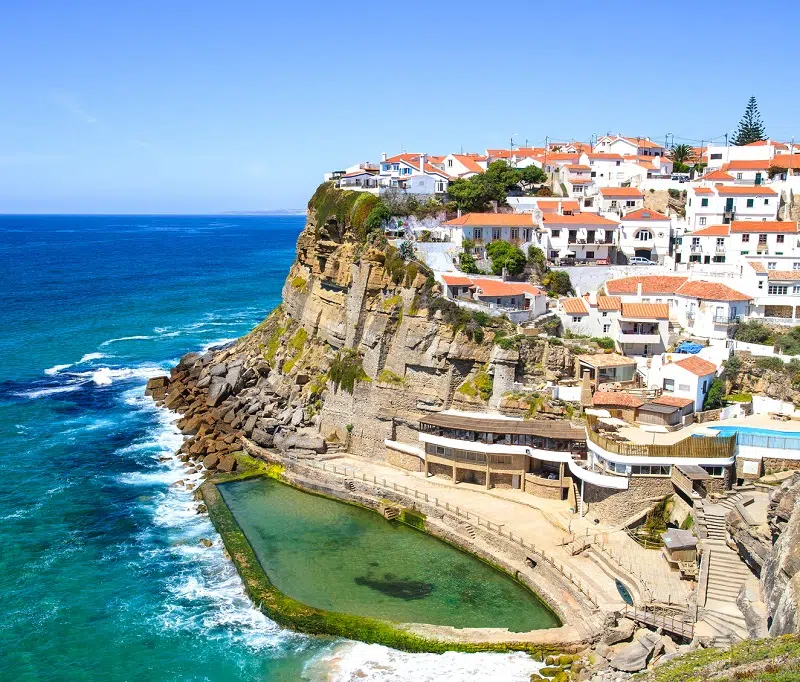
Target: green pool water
343	558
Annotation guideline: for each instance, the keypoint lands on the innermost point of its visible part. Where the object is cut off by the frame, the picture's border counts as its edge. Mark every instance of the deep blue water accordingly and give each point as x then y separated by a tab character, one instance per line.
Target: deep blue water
102	574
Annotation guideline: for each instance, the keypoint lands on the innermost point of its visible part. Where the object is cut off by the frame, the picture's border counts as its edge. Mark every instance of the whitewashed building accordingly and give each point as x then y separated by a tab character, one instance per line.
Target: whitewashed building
722	204
739	241
619	200
521	301
646	234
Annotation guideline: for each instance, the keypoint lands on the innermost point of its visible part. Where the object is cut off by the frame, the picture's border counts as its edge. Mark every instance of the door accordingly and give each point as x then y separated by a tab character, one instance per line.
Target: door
643	253
758	178
515	481
729	204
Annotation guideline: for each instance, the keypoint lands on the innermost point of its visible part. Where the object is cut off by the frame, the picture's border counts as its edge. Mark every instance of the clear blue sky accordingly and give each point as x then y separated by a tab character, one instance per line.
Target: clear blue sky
212	106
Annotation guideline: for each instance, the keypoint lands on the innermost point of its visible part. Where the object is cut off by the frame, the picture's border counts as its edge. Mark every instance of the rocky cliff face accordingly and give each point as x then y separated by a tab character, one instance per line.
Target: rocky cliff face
361	344
780	575
751	378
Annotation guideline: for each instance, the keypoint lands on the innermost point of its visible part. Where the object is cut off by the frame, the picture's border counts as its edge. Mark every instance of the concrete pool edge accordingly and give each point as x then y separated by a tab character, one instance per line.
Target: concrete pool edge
295	615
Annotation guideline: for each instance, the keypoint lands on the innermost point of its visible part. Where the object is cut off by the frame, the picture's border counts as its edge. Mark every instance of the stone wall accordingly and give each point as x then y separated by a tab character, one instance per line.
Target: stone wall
548	492
403	460
748	477
440	470
773	465
614	506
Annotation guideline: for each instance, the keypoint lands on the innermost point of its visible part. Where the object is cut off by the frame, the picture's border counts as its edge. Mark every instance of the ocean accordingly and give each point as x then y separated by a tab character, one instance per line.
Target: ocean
103	575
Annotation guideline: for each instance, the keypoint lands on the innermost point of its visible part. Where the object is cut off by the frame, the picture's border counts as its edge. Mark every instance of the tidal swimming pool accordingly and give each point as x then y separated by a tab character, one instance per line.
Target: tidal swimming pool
343	558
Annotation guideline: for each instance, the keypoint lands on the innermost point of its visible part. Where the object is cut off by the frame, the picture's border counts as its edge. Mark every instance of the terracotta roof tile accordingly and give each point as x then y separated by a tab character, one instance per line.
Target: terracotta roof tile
758	267
496	287
620	398
644	214
606	360
703	190
456	281
620	192
574	306
754	226
717	175
609	303
648	311
784	275
712	231
745	190
578	219
651	284
697	366
493	220
742	164
672	401
712	291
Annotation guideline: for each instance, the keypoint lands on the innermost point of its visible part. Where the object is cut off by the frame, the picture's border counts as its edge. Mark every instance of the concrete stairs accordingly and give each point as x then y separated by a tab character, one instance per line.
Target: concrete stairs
391	513
726	575
469	529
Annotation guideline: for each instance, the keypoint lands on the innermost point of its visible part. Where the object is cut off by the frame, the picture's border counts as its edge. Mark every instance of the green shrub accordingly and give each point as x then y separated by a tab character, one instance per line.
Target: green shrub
378	217
557	283
505	255
386	376
753	331
466	262
715	395
411	273
347	370
789	343
604	342
299	283
770	363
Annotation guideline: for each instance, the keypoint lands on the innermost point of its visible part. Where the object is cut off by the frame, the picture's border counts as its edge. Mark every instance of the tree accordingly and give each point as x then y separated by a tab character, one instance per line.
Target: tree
751	128
537	260
468	264
378	216
681	154
505	255
558	283
752	331
716	393
474	195
530	176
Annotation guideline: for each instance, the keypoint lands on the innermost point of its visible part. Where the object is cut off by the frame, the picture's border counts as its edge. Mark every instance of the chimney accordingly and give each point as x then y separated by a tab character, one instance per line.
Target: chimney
593	297
422	163
383	156
639	290
578	292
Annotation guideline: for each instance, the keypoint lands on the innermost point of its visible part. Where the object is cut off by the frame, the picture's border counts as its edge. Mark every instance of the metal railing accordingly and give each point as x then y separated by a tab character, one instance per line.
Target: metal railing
727	319
650	617
457	511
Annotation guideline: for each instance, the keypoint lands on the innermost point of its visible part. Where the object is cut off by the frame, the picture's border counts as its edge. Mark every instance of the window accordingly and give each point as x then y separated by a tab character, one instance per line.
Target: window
555	234
440	186
450	162
605	313
771	265
780	238
669	384
766	202
613	203
606	328
796	265
761	284
750	203
495	233
514	233
651	469
778	290
702	221
796	289
716	472
762	239
744	253
745	238
716	157
553	254
593	173
704	202
617	163
738	176
576	318
643	235
478	232
590	254
629	203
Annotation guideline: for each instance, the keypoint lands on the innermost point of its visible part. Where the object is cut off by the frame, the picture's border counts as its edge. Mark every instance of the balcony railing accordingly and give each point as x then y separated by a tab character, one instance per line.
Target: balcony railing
727	319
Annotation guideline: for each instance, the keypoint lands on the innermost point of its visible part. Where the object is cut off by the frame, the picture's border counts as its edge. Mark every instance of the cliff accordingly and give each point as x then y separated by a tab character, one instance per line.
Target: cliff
361	344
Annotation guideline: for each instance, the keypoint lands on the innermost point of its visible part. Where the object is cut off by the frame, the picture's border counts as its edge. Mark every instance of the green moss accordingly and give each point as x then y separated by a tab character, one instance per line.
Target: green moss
415	519
294	615
347	370
300	284
739	398
348	209
479	385
295	347
274	343
386	376
392	301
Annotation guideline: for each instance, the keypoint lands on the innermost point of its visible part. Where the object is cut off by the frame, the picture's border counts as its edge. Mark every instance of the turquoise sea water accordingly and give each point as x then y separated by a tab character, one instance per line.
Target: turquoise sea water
102	575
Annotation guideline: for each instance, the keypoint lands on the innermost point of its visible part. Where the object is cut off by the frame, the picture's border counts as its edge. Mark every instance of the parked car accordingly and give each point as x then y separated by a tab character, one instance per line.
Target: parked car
639	260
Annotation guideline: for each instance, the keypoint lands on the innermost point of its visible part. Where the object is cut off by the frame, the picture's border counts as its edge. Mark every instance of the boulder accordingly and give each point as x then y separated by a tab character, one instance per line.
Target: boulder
297	417
173	400
634	656
219	370
211	461
268	423
206	542
155	383
188	360
227	463
262	438
218	391
254	408
205	382
234	378
191	426
307	442
302	379
249	424
621	632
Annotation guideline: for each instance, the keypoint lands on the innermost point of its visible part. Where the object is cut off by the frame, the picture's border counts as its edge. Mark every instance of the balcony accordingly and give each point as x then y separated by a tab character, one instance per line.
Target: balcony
762	248
727	319
637	338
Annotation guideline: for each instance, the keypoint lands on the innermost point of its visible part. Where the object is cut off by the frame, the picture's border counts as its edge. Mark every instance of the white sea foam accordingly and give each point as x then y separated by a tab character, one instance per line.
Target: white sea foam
52	390
356	661
104	376
126	338
91	356
55	369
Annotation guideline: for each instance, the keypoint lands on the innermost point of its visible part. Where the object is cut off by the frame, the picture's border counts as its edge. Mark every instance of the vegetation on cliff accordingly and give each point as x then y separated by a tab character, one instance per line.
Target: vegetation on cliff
349	209
347	370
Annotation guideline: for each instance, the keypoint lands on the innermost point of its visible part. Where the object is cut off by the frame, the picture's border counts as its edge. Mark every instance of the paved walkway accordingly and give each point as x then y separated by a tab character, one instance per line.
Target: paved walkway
547	524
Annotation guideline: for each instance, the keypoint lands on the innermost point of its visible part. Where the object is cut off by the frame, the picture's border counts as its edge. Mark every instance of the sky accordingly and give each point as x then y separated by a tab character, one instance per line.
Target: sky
204	107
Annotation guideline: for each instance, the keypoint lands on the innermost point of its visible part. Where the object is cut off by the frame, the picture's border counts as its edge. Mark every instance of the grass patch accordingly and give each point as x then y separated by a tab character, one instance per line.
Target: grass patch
739	397
274	343
386	376
300	284
295	346
480	385
392	302
347	370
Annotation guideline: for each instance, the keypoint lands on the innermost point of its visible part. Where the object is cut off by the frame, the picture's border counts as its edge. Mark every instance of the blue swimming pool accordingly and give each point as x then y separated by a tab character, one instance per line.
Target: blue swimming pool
763	438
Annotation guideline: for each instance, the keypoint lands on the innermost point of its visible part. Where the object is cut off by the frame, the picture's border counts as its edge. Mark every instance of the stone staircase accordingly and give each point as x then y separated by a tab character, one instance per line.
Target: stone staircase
726	575
391	513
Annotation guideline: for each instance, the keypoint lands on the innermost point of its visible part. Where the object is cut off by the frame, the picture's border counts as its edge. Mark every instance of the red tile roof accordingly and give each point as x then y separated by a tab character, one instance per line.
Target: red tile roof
672	401
553	203
574	306
407	157
786	161
746	190
758	267
712	291
493	220
712	231
646	311
612	398
703	190
717	175
578	167
754	226
651	284
754	164
620	192
610	157
456	281
784	275
644	214
609	302
578	219
469	162
496	287
697	366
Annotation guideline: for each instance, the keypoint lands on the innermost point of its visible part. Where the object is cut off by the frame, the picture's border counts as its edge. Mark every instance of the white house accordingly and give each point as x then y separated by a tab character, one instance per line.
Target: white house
412	173
710	310
775	287
739	241
630	146
577	179
607	169
464	165
722	204
483	228
361	180
620	200
584	236
683	376
521	301
747	171
645	233
718	155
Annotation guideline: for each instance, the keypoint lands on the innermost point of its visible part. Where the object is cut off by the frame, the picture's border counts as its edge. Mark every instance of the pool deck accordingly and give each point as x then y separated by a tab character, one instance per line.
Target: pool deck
760	421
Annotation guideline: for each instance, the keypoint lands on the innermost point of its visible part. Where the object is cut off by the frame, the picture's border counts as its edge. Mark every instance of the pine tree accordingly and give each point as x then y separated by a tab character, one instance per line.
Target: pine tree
751	129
